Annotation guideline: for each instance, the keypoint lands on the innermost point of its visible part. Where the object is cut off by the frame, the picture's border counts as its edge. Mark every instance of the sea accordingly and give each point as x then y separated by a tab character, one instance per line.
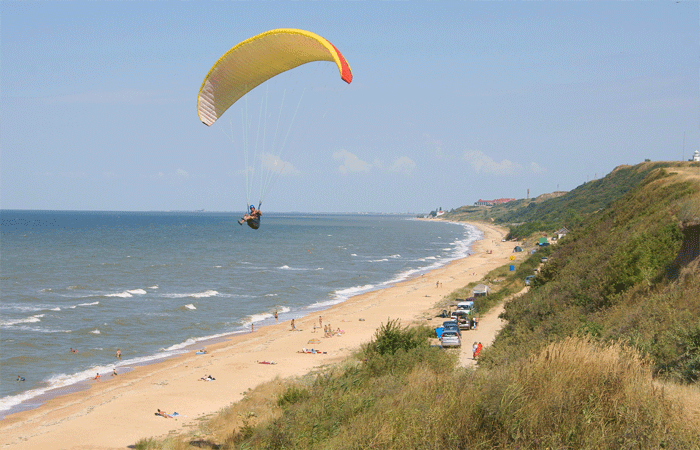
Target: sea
157	284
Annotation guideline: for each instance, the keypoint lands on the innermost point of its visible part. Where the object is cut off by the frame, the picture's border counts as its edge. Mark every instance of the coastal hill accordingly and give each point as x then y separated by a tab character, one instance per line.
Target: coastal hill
603	351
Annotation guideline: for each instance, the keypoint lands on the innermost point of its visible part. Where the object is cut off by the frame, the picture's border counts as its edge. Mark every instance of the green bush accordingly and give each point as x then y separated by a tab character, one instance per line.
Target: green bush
291	395
390	338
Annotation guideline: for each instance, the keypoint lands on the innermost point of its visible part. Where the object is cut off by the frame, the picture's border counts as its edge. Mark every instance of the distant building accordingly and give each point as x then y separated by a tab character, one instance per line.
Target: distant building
439	213
498	201
696	156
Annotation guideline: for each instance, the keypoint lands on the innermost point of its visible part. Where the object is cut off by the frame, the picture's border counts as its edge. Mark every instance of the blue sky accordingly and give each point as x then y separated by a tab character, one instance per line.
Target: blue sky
451	102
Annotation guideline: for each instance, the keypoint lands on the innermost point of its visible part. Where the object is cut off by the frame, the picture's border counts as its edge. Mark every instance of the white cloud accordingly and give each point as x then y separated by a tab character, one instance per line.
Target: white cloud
351	163
435	146
276	165
403	164
182	173
482	163
536	168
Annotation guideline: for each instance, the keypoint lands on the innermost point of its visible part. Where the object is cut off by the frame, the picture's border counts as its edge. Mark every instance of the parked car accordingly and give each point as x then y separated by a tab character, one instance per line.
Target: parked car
462	318
450	338
466	305
452	325
543	259
528	279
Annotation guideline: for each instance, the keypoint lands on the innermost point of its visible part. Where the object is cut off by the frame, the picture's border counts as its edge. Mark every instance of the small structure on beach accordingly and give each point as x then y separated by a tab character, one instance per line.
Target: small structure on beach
481	290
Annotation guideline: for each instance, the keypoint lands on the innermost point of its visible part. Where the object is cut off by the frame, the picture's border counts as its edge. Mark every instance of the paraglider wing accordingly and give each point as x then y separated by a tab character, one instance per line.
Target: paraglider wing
258	59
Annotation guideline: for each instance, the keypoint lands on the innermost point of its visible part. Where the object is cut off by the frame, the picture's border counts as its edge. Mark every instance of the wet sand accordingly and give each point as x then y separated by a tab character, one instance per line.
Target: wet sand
118	411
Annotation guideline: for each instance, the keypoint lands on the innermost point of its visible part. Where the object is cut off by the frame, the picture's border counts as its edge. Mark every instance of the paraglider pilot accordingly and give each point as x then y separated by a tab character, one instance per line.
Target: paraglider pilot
253	218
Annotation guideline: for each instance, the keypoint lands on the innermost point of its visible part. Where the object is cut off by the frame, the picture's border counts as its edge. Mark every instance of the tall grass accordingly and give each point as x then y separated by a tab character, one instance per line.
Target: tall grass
574	394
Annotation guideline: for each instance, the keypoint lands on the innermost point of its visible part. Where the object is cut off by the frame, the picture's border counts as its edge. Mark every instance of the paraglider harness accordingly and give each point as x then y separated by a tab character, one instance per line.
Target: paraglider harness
254	221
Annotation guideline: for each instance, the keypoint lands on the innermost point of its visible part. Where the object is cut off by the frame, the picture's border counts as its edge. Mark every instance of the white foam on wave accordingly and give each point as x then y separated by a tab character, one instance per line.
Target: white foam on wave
341	295
32	319
153	287
190	306
178	348
136	291
255	318
379	260
124	294
286	267
95	331
205	294
86	304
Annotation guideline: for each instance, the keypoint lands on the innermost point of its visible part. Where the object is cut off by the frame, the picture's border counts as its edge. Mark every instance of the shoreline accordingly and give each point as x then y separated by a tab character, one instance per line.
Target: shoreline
118	411
82	380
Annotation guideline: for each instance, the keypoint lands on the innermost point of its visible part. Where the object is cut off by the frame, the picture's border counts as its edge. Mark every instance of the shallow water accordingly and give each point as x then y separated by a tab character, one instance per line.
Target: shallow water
152	284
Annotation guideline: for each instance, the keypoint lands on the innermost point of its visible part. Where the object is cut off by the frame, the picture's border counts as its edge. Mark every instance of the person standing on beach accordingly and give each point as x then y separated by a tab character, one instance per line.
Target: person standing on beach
320	322
293	327
277	319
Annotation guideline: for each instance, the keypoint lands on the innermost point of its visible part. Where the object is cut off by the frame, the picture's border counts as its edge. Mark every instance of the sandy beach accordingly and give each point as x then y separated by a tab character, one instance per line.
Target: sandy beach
118	411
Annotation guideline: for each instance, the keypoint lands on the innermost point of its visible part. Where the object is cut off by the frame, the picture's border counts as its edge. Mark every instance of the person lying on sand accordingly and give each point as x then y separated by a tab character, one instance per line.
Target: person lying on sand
166	415
207	378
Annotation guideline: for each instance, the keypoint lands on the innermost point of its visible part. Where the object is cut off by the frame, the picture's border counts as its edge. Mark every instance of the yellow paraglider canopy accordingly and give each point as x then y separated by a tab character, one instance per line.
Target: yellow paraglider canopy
258	59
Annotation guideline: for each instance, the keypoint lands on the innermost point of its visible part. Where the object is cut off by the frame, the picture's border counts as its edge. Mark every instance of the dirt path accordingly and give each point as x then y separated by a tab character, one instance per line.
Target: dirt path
489	326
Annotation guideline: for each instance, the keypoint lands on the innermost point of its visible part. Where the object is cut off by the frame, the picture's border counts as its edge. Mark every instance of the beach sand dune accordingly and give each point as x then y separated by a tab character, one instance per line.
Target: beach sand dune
117	412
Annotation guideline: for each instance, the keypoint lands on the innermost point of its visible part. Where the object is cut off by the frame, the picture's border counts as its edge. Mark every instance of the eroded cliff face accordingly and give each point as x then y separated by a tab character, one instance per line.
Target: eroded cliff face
690	249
